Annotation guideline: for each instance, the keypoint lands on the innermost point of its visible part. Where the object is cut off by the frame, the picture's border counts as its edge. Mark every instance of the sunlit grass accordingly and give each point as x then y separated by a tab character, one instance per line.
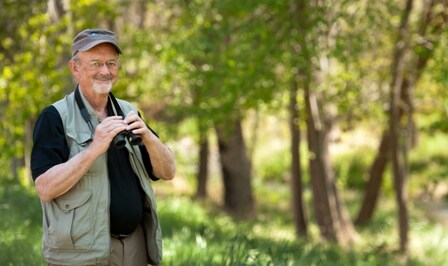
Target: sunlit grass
208	237
20	226
199	233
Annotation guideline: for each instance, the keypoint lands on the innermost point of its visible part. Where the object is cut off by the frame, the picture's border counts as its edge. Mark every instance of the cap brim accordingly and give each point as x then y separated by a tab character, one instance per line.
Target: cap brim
95	43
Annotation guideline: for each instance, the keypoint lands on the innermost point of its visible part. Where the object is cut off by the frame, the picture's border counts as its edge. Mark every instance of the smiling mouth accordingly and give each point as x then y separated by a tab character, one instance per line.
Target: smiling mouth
103	79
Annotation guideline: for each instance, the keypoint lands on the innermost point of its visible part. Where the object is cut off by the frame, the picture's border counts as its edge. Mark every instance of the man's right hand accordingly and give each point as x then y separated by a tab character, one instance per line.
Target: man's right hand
106	131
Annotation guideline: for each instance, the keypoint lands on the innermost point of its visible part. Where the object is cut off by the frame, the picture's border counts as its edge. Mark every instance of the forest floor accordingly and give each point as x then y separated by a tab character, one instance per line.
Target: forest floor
434	203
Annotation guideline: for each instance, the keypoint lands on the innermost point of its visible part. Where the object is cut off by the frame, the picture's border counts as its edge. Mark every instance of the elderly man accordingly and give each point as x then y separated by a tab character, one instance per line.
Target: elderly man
92	161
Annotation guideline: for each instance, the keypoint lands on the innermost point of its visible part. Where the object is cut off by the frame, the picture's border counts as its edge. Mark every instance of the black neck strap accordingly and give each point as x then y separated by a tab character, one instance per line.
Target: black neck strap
83	109
116	105
85	113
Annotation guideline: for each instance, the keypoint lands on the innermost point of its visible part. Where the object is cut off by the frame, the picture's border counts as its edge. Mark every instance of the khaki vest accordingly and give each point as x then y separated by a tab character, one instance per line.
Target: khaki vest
76	224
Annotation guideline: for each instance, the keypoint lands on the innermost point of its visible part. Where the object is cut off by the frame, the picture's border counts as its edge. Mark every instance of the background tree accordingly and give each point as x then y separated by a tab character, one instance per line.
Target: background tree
318	40
297	184
223	55
398	139
428	32
27	75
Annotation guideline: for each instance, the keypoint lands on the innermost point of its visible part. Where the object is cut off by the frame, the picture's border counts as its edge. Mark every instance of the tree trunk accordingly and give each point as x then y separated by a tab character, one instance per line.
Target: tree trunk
331	214
373	185
398	136
297	204
201	191
58	10
236	170
430	29
55	10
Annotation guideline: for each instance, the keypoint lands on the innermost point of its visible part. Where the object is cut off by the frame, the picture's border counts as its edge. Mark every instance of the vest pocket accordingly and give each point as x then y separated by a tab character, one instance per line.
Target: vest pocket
70	225
79	141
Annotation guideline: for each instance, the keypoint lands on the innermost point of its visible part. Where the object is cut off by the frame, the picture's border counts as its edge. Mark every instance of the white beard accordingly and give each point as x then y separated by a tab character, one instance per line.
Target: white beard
102	87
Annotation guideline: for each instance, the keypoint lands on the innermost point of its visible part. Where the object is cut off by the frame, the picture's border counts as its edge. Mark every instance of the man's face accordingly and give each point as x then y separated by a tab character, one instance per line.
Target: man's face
97	68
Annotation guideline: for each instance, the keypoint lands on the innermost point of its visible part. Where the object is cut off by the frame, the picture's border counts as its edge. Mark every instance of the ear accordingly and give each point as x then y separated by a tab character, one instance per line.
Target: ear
74	68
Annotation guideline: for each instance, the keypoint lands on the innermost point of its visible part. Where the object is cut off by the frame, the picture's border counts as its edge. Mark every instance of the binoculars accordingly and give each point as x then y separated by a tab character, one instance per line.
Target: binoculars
120	139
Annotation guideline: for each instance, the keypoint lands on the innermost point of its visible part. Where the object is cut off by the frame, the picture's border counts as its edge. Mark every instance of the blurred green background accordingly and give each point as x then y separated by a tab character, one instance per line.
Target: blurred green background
257	71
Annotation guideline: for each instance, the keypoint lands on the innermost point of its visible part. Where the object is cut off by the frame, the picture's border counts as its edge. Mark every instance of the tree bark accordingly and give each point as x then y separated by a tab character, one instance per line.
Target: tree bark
398	138
318	180
201	190
329	210
297	203
331	214
373	185
236	170
55	10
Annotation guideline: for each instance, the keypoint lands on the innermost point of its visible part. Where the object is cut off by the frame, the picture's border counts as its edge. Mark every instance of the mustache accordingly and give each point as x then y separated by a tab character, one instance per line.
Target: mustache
103	77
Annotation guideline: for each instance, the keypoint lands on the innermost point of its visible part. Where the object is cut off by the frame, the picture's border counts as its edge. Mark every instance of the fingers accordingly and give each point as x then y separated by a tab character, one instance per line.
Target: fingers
107	130
133	122
131	117
111	124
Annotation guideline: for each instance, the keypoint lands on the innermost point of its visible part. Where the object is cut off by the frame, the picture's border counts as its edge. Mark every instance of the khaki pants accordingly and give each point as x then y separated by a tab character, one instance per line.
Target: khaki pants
130	250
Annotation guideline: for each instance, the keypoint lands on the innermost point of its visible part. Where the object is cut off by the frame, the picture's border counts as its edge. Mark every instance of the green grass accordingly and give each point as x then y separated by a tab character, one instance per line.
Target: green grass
198	233
20	225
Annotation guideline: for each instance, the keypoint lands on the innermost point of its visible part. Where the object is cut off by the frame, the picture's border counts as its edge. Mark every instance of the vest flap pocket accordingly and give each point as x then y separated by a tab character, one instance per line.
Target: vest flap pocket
80	138
67	203
70	221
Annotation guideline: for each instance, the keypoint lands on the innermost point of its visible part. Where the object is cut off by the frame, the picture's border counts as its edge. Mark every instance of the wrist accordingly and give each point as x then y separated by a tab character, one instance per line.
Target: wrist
149	138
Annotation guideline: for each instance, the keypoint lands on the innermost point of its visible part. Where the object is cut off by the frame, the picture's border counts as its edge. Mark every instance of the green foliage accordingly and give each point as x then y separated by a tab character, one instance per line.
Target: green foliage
352	166
428	162
35	49
272	168
432	108
25	70
210	60
219	56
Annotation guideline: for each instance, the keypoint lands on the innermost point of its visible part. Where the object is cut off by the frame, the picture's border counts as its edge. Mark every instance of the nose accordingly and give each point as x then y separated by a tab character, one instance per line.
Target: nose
104	68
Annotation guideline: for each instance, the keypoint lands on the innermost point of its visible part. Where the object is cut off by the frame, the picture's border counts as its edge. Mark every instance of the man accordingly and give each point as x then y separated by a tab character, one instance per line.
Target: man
97	201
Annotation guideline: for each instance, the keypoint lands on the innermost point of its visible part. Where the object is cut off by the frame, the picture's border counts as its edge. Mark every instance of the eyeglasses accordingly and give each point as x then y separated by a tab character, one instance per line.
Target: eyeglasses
96	65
